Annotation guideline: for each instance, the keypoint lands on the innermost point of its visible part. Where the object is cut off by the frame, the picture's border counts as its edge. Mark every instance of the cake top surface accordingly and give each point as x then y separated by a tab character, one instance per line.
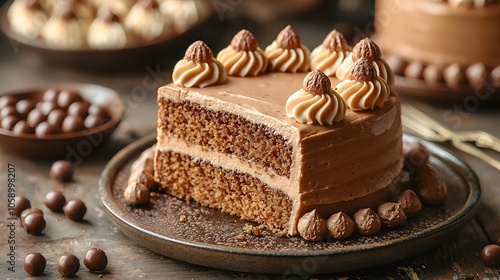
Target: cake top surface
289	88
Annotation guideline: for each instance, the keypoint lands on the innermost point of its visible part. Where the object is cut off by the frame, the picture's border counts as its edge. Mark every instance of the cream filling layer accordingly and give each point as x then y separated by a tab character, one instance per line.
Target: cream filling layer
224	161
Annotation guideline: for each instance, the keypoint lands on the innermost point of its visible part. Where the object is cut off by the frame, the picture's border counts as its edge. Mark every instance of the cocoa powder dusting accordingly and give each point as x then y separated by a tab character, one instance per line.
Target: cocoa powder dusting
199	52
288	39
362	71
335	42
244	41
317	82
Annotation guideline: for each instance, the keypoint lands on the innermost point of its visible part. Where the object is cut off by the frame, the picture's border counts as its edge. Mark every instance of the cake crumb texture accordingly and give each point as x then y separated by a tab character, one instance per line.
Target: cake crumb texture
226	133
229	191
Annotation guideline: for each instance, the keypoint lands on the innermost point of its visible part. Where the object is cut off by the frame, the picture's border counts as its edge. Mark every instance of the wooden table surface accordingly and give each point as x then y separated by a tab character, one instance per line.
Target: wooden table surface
458	258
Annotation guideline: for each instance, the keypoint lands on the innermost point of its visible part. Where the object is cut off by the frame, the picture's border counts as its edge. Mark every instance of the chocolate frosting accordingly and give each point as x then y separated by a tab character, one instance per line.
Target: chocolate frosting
370	140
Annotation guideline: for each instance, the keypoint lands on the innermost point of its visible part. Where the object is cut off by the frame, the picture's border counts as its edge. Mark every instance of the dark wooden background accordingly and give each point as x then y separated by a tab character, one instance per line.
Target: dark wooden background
458	258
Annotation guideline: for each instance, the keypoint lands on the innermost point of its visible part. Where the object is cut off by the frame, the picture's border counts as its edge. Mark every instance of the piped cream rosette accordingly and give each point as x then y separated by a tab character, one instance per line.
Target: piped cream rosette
366	48
316	102
243	57
328	56
198	68
363	89
287	54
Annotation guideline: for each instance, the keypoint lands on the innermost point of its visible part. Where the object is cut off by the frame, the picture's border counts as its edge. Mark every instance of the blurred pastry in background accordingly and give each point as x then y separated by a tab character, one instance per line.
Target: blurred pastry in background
103	24
63	30
106	31
146	20
27	17
184	13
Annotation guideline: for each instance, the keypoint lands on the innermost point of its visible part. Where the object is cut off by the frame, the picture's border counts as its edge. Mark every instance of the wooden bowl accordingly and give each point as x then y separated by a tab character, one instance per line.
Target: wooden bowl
72	145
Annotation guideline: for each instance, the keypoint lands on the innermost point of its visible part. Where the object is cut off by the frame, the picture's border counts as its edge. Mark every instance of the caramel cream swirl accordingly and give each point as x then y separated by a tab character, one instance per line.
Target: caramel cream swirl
287	53
363	89
198	68
360	96
316	102
384	71
327	61
243	63
329	55
344	68
243	57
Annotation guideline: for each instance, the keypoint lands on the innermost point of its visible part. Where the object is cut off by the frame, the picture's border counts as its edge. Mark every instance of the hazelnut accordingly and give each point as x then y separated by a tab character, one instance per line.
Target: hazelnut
312	226
136	194
335	42
362	71
288	39
366	48
244	41
317	82
199	52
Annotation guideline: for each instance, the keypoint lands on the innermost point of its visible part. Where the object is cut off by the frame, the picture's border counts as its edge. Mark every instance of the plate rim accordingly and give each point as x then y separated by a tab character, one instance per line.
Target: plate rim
466	212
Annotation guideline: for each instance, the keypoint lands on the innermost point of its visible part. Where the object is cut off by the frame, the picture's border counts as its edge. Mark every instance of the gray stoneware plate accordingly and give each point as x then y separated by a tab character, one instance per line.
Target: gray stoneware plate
216	240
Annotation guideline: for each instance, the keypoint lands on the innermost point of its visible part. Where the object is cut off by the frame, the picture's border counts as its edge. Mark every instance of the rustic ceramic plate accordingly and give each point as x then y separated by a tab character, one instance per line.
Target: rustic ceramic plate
212	239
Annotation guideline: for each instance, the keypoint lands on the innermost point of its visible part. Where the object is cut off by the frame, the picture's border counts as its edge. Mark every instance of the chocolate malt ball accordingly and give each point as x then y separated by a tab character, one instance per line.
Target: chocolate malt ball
491	255
20	204
36	117
55	201
25	106
68	265
80	108
61	170
9	122
72	123
75	209
29	211
56	117
44	129
22	127
34	264
51	95
7	100
34	223
68	97
95	259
